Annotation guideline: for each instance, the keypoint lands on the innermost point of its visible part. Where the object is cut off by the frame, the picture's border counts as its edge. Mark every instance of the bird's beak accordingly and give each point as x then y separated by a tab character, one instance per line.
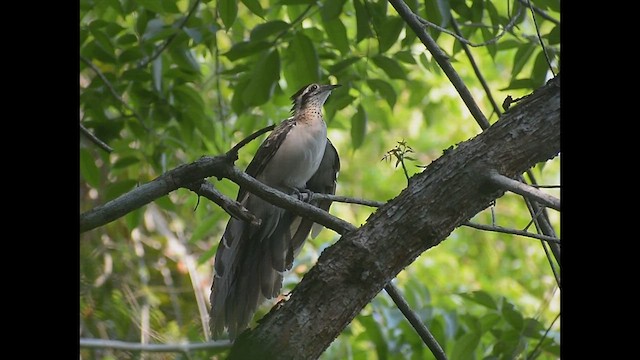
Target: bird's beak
329	87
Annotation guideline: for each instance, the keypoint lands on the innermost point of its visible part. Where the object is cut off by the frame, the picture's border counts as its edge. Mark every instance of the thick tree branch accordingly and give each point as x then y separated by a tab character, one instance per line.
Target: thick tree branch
445	195
231	206
442	59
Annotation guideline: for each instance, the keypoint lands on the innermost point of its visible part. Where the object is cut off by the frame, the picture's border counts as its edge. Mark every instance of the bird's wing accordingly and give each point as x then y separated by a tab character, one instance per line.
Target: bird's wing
323	181
266	151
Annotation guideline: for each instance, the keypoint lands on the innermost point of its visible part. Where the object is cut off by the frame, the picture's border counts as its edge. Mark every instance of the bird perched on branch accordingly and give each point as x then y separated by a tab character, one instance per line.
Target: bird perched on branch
296	157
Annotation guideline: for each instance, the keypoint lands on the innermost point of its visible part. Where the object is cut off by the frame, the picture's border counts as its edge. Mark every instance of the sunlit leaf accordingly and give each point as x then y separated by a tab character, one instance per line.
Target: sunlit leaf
330	10
246	48
482	298
303	67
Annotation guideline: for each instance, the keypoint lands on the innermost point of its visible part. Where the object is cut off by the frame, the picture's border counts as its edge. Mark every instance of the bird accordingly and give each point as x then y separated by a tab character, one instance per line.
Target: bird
250	260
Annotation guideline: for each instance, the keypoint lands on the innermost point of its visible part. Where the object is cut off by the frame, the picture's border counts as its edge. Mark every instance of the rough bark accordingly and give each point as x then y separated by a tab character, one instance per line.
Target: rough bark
446	194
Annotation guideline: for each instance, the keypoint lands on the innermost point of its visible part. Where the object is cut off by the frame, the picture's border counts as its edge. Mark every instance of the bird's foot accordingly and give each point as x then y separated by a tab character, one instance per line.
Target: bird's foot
300	194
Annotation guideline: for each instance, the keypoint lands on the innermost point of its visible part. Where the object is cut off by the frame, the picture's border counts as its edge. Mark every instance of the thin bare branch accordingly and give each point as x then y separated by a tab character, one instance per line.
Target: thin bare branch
476	69
112	90
415	321
442	59
181	348
504	230
524	190
229	205
342	199
233	153
458	35
164	45
544	48
94	139
540	12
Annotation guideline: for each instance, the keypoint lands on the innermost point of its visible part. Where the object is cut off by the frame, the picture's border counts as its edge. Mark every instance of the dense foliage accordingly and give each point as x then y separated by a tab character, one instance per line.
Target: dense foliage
163	82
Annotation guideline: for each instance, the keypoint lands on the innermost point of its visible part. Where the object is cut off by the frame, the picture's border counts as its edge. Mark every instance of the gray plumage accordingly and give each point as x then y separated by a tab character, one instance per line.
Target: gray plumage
250	260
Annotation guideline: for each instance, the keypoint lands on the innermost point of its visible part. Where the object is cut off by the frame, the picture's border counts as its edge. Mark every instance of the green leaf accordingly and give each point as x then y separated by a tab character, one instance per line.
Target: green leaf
465	347
519	84
188	98
156	72
513	316
406	57
521	58
194	34
303	65
481	297
246	48
390	67
374	334
533	328
152	5
203	229
363	29
385	90
183	57
228	10
207	255
137	75
115	189
539	70
554	35
88	168
254	6
130	55
330	10
388	33
296	2
125	161
267	29
488	322
263	79
337	34
102	39
341	65
237	104
358	127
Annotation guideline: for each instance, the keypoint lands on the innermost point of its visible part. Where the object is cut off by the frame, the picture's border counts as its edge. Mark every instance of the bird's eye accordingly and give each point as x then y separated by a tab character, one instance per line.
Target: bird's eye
313	87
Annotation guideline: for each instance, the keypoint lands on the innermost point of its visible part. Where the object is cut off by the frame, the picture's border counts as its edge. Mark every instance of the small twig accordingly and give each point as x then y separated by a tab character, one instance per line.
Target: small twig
540	12
544	49
182	348
233	153
442	59
164	45
504	230
232	207
94	139
533	352
476	69
415	321
524	190
112	90
463	40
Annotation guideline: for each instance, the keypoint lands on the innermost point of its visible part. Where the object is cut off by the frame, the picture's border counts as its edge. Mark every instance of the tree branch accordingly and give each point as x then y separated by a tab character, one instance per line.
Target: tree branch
229	205
112	90
415	321
524	190
94	139
445	195
164	45
504	230
182	348
442	59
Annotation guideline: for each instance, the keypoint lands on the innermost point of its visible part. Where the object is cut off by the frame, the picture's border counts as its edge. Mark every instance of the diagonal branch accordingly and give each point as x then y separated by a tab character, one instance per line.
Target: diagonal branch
94	139
182	348
442	59
164	45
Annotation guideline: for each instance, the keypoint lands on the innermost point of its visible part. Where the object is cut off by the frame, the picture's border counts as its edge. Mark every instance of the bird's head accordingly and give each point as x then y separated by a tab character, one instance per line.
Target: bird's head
312	95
